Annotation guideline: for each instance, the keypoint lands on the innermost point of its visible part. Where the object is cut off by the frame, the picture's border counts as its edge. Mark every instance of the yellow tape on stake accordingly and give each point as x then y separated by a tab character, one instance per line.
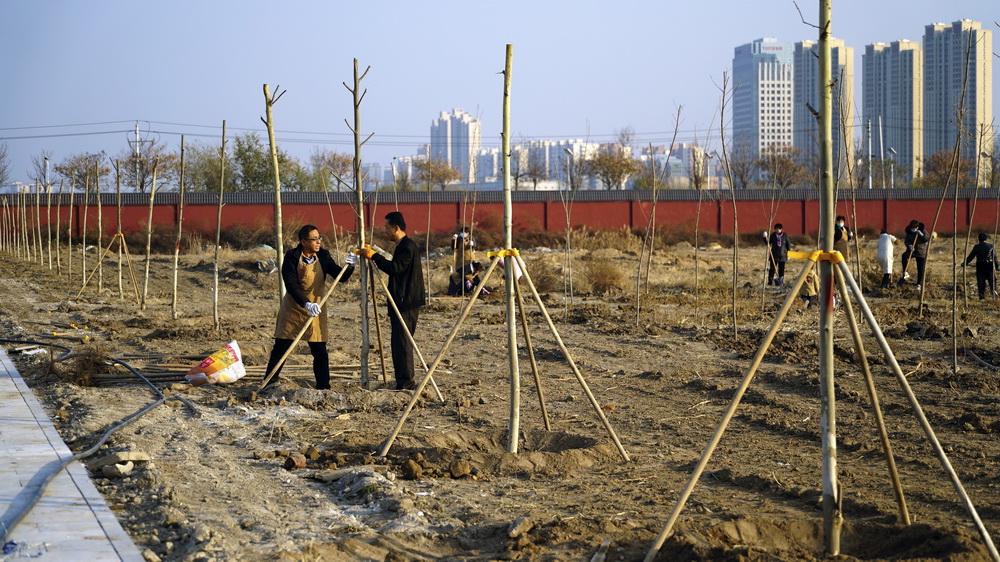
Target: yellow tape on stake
833	257
503	253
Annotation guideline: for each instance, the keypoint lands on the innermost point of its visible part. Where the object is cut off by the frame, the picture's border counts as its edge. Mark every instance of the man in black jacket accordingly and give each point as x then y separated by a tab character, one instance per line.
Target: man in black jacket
406	287
986	260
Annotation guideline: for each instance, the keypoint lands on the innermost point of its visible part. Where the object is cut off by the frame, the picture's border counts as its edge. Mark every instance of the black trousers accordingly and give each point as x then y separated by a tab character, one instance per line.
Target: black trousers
402	351
770	270
984	276
321	361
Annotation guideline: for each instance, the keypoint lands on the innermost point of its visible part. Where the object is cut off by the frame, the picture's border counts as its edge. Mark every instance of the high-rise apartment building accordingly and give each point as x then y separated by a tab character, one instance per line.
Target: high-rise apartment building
892	95
455	139
763	73
951	86
806	93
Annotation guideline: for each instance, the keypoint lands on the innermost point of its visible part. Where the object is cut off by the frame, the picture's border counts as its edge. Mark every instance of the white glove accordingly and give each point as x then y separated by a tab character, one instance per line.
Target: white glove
312	308
351	258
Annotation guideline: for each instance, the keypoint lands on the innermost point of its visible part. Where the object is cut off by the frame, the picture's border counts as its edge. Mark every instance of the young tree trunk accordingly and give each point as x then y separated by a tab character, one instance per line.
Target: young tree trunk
69	228
100	229
48	221
118	227
58	227
177	243
149	237
218	229
83	237
278	226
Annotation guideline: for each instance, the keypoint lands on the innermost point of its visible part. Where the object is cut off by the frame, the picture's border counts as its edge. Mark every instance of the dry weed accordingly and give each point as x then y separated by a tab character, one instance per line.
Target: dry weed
605	277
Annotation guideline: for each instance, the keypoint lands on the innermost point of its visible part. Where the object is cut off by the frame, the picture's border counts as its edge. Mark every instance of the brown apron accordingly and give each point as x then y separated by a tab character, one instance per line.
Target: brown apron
291	316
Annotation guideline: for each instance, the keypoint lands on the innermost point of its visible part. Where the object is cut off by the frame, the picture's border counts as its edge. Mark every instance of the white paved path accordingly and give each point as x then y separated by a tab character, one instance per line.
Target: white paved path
71	521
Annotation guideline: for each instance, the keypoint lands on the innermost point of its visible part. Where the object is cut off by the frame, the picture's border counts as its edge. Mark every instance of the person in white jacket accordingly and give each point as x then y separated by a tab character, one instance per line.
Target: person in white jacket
884	255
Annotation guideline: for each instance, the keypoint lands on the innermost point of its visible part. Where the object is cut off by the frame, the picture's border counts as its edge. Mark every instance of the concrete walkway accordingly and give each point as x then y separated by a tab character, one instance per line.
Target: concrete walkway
71	521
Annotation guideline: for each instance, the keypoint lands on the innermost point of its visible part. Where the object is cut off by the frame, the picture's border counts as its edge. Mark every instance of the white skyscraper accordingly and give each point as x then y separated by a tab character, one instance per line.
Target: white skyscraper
946	50
763	74
455	139
893	91
807	93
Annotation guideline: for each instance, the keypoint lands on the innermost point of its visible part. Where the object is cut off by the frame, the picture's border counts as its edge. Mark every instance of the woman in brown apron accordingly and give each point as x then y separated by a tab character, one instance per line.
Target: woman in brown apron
304	271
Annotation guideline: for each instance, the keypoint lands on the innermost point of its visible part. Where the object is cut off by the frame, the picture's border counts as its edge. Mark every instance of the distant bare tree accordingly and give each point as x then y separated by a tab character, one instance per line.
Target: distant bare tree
4	163
741	164
140	176
325	161
780	167
436	172
613	163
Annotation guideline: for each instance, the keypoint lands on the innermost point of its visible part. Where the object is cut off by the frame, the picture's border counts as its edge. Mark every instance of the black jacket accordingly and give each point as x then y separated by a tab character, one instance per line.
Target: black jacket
406	279
779	252
920	240
983	253
290	272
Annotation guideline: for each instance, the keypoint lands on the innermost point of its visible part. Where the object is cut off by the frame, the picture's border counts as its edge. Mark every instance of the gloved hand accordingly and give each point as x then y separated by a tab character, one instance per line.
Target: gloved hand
312	308
367	251
351	258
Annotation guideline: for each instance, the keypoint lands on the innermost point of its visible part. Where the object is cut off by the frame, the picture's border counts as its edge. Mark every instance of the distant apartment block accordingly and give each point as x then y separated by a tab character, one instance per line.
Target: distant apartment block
892	94
950	85
763	80
806	93
455	139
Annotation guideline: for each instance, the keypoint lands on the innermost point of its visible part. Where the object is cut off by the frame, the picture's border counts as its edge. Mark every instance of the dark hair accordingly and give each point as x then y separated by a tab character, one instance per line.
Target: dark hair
465	229
305	230
395	218
778	225
983	237
914	223
841	218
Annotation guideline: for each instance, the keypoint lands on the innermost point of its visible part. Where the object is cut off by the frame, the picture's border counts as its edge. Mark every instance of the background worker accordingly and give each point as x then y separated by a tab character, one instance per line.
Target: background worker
778	247
462	244
406	287
841	237
884	256
304	271
909	239
986	263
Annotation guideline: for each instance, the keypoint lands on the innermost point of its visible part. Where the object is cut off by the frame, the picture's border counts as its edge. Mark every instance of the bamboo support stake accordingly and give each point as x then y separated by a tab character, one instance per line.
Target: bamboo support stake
120	238
302	331
919	413
531	353
409	336
883	434
765	344
572	363
218	231
437	360
38	224
378	324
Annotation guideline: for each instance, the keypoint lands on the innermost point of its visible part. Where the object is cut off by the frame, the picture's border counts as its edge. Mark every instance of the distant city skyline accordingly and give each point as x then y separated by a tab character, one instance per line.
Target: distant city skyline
84	77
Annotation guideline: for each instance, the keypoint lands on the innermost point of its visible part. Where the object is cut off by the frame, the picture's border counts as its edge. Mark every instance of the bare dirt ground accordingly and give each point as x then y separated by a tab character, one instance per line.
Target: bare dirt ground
216	487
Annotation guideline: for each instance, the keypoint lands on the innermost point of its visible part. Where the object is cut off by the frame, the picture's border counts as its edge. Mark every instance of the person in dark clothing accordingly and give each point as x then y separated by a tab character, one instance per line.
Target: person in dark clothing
406	287
920	240
460	283
778	247
909	240
841	237
305	270
986	263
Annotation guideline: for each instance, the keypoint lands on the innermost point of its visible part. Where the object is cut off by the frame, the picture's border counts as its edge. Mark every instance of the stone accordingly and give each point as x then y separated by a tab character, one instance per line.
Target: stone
117	458
520	526
117	470
459	468
150	556
412	470
295	461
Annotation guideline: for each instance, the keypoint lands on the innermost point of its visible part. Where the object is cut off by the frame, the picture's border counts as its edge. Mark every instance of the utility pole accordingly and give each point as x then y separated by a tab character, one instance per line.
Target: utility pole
137	155
868	133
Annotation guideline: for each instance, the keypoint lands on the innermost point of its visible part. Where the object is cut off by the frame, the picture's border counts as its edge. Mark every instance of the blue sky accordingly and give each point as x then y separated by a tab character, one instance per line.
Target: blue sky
582	69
